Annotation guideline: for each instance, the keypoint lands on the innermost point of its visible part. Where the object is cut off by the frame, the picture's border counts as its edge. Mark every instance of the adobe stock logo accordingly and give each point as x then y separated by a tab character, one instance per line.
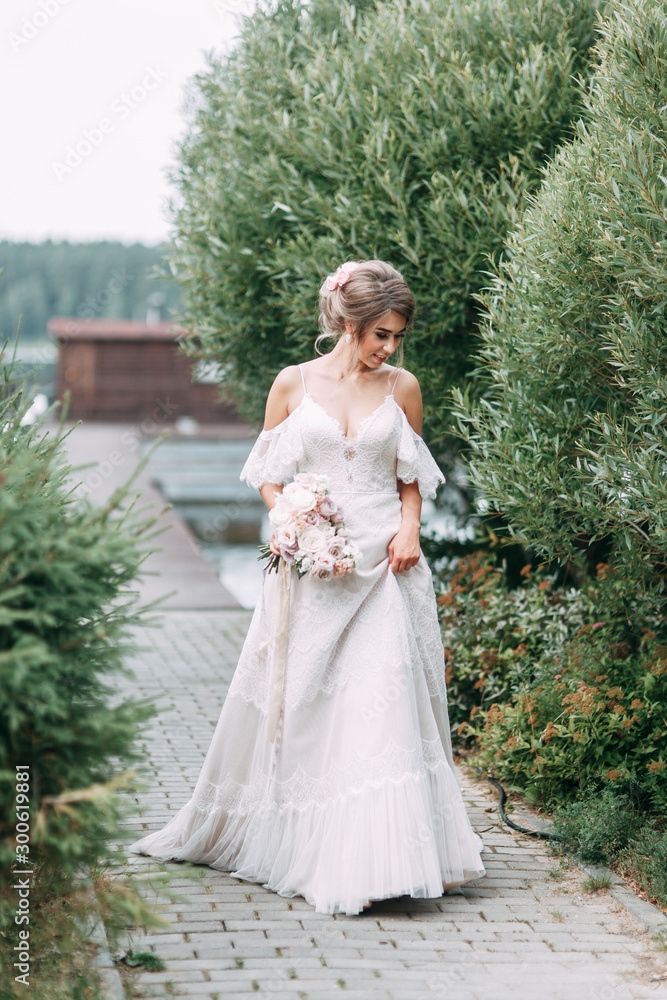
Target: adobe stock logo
31	26
121	108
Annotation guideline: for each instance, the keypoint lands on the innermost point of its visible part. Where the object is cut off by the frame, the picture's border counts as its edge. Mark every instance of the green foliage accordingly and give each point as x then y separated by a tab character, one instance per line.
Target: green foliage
607	828
494	634
62	963
590	712
645	860
147	959
597	883
88	280
560	689
569	440
66	611
598	826
411	131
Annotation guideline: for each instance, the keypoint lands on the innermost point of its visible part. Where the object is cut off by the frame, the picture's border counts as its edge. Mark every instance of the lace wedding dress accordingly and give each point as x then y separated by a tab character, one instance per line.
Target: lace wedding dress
355	798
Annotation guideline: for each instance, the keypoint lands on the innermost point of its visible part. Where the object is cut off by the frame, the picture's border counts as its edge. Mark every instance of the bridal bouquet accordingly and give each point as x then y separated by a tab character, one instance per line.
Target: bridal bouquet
310	530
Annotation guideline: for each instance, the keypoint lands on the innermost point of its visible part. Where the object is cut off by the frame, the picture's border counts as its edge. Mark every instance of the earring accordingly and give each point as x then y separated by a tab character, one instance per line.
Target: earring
348	338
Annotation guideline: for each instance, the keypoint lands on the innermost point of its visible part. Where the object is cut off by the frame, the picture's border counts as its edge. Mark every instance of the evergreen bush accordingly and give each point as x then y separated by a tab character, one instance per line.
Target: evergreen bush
66	611
409	130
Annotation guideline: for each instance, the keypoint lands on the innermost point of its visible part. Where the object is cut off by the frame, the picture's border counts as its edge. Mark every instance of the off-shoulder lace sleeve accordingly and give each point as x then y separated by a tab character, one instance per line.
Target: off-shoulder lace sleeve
275	456
415	462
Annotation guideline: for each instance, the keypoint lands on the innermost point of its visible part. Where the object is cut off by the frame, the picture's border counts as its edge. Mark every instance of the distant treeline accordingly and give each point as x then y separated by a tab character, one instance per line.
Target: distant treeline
105	279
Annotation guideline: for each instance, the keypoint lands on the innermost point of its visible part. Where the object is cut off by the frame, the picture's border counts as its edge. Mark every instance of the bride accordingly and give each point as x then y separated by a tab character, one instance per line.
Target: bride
330	774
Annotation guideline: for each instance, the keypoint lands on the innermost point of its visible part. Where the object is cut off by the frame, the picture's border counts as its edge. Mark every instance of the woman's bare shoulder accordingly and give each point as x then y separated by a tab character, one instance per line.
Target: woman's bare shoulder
287	379
407	386
409	398
282	395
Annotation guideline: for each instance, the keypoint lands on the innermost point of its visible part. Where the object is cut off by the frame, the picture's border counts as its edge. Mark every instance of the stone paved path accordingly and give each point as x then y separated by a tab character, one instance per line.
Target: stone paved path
518	932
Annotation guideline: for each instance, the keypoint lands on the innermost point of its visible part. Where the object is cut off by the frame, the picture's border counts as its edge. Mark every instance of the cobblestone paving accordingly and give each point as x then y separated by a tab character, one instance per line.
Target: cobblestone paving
518	932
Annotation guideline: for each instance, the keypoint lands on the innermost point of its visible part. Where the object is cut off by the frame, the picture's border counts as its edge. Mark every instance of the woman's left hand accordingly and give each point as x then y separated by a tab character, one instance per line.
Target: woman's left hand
404	550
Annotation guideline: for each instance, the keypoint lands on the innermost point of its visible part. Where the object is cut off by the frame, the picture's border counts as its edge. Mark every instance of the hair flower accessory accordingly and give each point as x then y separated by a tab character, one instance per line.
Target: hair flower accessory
340	276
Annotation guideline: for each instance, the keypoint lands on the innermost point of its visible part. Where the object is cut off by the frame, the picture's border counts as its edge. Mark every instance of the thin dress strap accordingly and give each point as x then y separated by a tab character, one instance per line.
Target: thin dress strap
395	381
303	380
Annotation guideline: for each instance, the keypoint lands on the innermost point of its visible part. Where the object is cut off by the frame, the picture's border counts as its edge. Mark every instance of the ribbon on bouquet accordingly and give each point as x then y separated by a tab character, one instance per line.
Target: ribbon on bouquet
279	658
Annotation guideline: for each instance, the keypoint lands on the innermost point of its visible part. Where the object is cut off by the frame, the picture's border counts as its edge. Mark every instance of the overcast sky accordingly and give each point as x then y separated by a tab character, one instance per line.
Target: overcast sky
92	108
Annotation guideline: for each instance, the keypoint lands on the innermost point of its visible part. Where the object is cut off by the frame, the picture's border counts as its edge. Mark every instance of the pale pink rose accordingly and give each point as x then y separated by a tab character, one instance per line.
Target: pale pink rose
336	546
312	540
287	543
340	276
310	518
306	479
324	560
286	535
327	507
323	566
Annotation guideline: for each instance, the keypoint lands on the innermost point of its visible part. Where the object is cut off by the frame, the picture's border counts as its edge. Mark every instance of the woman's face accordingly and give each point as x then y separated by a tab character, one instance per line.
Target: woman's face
381	339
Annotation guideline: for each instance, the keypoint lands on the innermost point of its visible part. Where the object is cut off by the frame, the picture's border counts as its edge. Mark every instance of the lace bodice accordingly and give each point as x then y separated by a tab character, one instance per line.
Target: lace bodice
385	449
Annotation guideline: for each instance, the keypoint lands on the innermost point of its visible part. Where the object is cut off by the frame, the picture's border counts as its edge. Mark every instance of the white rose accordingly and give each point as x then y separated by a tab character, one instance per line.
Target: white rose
303	500
280	515
306	479
312	540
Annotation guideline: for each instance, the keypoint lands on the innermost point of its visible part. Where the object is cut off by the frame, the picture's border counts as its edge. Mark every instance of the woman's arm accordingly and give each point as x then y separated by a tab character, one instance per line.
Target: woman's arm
404	549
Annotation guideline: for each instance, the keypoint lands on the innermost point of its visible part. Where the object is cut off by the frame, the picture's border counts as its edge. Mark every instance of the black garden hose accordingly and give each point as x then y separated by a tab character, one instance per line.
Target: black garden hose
542	834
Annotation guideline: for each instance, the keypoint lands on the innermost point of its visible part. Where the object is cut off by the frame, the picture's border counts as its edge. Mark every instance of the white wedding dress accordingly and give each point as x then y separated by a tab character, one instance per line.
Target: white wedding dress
356	798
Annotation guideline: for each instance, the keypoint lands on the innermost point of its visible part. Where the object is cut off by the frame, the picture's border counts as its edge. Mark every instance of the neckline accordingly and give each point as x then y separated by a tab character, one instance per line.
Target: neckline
336	421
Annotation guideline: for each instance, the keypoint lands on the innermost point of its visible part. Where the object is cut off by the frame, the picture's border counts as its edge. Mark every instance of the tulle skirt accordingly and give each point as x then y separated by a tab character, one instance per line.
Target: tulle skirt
354	797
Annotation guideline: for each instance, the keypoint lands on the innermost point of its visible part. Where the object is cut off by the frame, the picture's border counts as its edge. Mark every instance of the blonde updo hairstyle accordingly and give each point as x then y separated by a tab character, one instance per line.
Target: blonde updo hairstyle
372	289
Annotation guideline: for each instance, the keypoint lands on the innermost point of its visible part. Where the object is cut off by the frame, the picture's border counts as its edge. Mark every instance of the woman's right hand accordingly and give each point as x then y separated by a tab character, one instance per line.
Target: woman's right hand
273	545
